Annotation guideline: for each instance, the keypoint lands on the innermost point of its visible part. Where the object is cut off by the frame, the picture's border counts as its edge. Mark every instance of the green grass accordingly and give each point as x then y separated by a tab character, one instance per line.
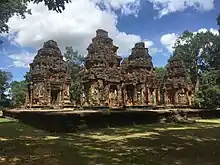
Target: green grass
155	144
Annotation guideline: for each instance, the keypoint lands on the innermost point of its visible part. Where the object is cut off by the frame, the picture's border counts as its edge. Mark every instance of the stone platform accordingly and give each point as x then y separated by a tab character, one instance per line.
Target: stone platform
73	120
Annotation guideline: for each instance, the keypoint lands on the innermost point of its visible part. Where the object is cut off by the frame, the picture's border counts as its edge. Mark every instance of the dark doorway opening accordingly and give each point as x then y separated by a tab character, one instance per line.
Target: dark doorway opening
54	96
130	95
171	96
113	95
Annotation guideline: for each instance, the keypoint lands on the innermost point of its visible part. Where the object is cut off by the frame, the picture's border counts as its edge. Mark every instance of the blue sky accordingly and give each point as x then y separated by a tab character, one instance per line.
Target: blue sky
156	22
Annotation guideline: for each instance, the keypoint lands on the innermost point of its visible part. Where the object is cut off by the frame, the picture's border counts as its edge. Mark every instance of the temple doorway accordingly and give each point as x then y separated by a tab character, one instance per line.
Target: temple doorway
171	97
130	95
113	96
55	97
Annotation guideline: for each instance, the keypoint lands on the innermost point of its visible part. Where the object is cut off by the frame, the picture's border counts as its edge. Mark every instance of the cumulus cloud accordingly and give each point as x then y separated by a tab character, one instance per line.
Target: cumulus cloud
168	40
22	59
214	31
165	7
76	26
155	50
148	43
126	7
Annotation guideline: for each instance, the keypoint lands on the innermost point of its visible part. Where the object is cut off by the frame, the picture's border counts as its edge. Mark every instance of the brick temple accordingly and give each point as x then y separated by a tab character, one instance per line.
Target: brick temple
49	78
106	78
109	80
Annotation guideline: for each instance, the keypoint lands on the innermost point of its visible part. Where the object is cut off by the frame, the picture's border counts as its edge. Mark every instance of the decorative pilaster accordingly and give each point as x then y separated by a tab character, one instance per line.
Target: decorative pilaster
135	95
49	94
158	95
106	96
143	98
165	97
176	98
148	96
31	94
154	97
120	101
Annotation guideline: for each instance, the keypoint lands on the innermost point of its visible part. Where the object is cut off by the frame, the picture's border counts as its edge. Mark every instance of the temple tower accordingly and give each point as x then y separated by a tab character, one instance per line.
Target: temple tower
101	76
49	78
176	84
140	85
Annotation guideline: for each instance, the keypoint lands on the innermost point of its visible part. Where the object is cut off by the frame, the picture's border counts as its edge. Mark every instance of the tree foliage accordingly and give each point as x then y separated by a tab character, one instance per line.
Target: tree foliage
18	92
160	71
19	7
75	61
5	77
56	5
195	51
200	53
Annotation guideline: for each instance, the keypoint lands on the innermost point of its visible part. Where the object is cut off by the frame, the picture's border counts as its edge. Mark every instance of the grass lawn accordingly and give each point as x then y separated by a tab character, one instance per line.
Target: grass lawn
155	144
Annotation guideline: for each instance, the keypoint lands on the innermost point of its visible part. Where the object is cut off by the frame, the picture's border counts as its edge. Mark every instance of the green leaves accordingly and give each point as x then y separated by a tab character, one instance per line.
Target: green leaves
197	52
75	61
56	5
18	92
19	7
160	71
5	77
200	53
8	9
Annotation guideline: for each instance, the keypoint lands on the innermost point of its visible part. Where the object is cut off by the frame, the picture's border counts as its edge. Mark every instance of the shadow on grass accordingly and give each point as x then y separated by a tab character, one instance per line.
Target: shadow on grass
154	144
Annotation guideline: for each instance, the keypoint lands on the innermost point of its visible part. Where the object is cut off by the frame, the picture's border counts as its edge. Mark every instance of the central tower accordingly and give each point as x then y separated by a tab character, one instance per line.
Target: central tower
101	77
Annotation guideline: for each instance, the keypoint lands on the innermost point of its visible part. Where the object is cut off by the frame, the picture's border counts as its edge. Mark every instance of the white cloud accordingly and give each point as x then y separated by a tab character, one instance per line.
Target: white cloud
214	31
153	51
168	40
165	7
126	7
22	59
148	43
76	26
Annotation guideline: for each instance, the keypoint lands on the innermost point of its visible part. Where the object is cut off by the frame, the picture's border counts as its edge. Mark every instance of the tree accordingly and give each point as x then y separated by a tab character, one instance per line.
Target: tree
74	61
208	94
209	89
18	92
5	77
27	77
195	52
200	53
160	71
19	7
